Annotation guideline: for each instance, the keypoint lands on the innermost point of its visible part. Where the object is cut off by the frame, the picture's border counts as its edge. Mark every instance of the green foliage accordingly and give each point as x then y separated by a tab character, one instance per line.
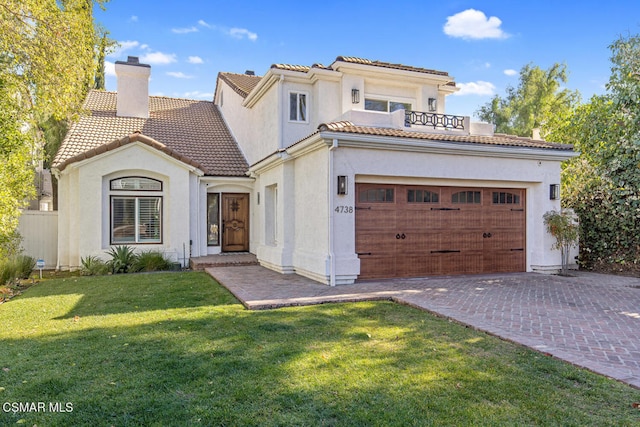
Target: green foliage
122	259
150	261
537	102
602	185
93	266
46	67
16	267
562	226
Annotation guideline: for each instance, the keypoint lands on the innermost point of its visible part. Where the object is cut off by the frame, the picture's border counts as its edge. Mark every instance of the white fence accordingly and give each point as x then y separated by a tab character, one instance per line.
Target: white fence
39	230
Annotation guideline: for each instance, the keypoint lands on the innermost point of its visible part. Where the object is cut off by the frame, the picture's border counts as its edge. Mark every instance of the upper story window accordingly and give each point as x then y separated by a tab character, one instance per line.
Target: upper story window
385	105
298	107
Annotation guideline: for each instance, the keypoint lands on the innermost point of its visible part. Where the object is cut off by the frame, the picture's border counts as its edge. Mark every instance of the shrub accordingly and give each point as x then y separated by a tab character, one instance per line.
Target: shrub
24	265
93	266
16	267
151	261
122	258
562	226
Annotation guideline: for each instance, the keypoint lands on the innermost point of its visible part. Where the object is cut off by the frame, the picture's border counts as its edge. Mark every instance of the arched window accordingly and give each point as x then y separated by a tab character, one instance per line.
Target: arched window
136	210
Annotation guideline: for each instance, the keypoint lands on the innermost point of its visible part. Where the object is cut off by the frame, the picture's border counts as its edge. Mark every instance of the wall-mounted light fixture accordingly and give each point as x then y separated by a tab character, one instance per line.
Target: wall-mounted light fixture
433	104
355	96
342	185
554	191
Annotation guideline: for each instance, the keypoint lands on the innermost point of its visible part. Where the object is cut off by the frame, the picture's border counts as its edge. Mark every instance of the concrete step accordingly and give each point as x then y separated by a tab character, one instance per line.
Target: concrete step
229	259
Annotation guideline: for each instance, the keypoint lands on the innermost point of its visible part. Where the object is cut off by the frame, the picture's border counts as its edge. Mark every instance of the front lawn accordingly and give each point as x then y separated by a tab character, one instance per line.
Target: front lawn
177	349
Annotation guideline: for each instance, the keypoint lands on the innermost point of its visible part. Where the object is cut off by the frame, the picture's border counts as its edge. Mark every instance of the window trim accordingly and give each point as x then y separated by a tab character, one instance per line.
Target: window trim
455	197
111	181
306	106
136	225
388	102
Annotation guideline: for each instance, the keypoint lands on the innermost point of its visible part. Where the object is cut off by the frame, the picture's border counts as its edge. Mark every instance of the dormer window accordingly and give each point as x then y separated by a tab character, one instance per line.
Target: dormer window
298	107
385	106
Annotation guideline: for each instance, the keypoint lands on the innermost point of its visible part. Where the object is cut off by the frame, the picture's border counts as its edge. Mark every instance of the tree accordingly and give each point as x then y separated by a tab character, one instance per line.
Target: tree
602	185
538	102
46	68
562	226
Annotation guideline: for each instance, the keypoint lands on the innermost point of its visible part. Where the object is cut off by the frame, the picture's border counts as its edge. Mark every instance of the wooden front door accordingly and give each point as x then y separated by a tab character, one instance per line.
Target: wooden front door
235	222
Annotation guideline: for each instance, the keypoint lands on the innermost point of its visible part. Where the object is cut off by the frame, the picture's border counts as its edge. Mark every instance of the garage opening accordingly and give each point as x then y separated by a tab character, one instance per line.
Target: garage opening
413	231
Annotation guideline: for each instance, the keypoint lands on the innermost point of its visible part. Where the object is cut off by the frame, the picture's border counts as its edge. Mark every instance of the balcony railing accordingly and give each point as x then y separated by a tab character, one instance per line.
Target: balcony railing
437	121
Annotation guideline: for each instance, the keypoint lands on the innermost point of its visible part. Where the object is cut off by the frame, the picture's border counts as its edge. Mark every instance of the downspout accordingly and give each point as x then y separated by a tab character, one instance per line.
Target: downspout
332	257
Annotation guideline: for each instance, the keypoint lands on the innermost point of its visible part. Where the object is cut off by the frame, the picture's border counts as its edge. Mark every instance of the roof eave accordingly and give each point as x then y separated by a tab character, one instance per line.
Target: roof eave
399	143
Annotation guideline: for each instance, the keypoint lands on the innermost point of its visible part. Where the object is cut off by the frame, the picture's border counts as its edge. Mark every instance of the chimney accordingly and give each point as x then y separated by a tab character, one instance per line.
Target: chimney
536	134
133	88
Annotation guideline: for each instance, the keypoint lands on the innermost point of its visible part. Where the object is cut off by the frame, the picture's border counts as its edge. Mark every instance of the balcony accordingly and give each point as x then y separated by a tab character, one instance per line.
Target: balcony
418	121
435	120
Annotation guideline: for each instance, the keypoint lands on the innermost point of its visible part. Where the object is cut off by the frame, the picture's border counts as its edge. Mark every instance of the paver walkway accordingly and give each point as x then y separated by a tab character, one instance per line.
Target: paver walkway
590	320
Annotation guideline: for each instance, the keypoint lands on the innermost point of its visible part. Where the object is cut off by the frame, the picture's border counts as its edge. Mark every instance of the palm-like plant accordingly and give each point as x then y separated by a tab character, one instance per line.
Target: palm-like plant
122	258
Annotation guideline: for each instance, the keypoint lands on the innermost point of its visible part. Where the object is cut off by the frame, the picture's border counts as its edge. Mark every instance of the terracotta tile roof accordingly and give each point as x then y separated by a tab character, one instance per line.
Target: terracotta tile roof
497	139
354	60
189	130
242	84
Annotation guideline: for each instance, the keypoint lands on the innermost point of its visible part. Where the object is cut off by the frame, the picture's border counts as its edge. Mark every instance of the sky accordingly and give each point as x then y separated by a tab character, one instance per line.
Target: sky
482	44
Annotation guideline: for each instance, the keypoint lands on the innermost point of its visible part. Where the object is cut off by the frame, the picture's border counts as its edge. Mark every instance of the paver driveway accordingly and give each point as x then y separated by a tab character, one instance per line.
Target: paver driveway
590	320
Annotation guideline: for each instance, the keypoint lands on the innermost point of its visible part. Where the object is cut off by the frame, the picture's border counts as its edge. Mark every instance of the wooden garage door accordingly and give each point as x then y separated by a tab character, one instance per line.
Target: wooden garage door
412	231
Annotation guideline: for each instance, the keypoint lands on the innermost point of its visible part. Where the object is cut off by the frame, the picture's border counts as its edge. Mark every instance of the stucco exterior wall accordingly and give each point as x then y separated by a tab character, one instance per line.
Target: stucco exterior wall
84	228
257	129
398	167
312	206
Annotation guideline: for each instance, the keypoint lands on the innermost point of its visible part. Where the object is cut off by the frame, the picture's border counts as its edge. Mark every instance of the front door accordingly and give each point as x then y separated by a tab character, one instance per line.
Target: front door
235	222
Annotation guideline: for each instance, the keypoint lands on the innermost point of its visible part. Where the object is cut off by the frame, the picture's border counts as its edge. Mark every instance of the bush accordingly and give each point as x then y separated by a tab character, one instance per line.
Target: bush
24	266
122	258
16	267
93	266
151	261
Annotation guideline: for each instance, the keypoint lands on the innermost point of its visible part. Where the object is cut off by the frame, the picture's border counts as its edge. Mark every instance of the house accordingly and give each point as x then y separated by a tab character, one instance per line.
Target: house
340	172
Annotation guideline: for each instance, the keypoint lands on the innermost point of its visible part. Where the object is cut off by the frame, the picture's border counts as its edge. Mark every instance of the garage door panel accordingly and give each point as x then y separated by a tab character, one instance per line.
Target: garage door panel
461	263
505	261
419	242
419	265
376	219
418	231
377	266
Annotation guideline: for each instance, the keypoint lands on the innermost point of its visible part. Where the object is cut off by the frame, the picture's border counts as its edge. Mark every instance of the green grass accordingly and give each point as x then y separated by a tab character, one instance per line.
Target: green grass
177	349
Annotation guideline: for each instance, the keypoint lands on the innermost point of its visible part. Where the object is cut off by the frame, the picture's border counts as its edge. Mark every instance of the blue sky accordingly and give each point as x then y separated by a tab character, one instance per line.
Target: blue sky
482	44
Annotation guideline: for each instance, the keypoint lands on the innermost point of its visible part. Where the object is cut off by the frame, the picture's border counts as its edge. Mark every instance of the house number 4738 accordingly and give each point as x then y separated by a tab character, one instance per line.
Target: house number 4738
344	209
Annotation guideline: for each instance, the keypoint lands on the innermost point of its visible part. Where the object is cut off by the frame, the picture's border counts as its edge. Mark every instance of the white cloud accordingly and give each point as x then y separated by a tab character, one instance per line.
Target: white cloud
198	95
204	24
474	24
195	60
179	75
476	88
238	33
158	58
184	30
511	72
133	18
241	33
122	47
109	68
